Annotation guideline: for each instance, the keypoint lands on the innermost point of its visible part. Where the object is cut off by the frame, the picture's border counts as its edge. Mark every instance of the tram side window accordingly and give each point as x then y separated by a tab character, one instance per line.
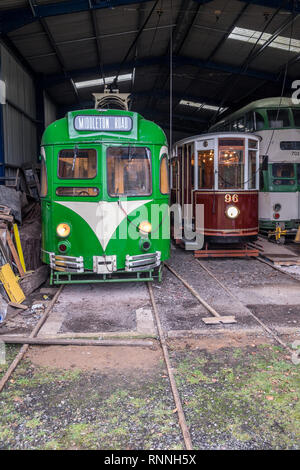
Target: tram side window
44	179
249	122
259	121
206	169
231	164
77	192
283	173
252	169
191	163
278	118
77	163
174	173
128	171
164	175
241	125
296	114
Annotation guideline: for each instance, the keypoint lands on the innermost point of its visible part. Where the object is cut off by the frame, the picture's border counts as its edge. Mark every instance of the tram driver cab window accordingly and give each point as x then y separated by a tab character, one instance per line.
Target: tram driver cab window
77	163
129	171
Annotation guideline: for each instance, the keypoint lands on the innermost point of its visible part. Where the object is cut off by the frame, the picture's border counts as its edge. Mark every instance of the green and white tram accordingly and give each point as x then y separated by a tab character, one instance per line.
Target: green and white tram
105	197
277	122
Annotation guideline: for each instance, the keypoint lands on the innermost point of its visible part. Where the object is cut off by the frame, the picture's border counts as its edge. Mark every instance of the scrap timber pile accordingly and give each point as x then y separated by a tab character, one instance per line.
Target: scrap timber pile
21	270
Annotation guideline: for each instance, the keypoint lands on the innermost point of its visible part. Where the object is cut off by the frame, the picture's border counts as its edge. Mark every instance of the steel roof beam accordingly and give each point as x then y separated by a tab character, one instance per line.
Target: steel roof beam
219	45
97	39
51	80
179	95
185	19
293	6
12	19
146	113
51	40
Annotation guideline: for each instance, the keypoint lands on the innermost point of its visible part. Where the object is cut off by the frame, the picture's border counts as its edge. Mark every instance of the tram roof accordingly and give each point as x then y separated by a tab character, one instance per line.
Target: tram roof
64	131
266	103
210	135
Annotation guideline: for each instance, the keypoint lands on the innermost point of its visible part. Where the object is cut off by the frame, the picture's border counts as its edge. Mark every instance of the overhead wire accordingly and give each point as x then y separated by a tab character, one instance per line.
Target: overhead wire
115	81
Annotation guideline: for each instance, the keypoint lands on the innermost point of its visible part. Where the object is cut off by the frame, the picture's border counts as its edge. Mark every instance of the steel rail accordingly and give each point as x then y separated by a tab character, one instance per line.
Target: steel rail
25	347
262	324
180	412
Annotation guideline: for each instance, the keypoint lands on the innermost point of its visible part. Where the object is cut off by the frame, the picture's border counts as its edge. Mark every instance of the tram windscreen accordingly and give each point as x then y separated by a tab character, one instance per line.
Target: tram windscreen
77	163
128	171
278	118
231	164
296	114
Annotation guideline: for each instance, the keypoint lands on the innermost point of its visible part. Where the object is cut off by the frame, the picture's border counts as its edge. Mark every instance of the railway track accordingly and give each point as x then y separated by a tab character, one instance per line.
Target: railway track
161	337
32	339
210	309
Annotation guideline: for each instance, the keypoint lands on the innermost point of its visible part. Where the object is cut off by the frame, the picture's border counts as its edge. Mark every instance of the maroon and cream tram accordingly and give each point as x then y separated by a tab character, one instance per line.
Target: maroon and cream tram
220	172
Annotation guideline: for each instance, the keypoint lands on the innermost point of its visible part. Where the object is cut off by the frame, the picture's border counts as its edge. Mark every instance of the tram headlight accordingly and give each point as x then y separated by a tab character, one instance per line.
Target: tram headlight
277	207
63	230
232	212
145	227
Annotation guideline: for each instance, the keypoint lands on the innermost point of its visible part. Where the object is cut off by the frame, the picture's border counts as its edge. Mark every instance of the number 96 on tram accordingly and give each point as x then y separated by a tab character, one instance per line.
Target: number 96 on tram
219	173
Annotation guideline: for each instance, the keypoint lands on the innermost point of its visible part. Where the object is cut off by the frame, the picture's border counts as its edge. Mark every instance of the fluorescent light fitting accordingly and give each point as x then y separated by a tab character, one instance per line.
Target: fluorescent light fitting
251	36
99	81
202	106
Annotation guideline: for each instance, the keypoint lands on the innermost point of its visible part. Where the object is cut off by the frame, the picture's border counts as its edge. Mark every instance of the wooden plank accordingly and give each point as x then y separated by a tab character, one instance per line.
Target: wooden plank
10	284
34	280
14	254
9	218
75	342
19	246
286	263
16	305
48	290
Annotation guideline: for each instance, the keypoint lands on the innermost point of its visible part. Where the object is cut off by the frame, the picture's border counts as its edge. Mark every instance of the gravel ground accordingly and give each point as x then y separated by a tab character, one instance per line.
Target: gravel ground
258	288
240	398
237	394
234	398
47	408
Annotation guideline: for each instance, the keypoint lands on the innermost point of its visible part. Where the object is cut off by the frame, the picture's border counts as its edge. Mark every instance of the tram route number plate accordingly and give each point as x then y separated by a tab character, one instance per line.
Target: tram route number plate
231	198
103	123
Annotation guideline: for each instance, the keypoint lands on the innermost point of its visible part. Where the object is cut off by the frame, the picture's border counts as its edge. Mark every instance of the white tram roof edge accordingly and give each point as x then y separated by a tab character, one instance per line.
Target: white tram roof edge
238	135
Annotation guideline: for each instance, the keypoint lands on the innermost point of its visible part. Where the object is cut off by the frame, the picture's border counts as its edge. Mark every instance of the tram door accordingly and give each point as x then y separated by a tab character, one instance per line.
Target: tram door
186	183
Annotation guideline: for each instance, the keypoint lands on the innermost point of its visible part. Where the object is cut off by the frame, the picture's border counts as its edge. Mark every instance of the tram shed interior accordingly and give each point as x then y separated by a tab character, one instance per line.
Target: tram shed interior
189	66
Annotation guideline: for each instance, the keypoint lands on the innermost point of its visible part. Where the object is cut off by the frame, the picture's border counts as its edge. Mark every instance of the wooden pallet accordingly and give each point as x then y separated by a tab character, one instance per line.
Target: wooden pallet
228	253
279	255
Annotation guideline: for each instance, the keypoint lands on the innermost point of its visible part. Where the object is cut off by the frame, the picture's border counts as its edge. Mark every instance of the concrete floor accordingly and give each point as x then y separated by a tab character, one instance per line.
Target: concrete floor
125	309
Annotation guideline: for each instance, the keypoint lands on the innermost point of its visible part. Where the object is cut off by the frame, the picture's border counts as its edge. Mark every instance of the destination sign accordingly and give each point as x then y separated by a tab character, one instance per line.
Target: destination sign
103	123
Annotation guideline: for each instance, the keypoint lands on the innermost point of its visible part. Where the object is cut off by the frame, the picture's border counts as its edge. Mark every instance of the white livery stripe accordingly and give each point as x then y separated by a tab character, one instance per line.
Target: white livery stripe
103	217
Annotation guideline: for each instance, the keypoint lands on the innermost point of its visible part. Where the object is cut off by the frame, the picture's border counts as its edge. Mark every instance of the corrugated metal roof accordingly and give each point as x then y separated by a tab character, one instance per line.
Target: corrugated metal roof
206	61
